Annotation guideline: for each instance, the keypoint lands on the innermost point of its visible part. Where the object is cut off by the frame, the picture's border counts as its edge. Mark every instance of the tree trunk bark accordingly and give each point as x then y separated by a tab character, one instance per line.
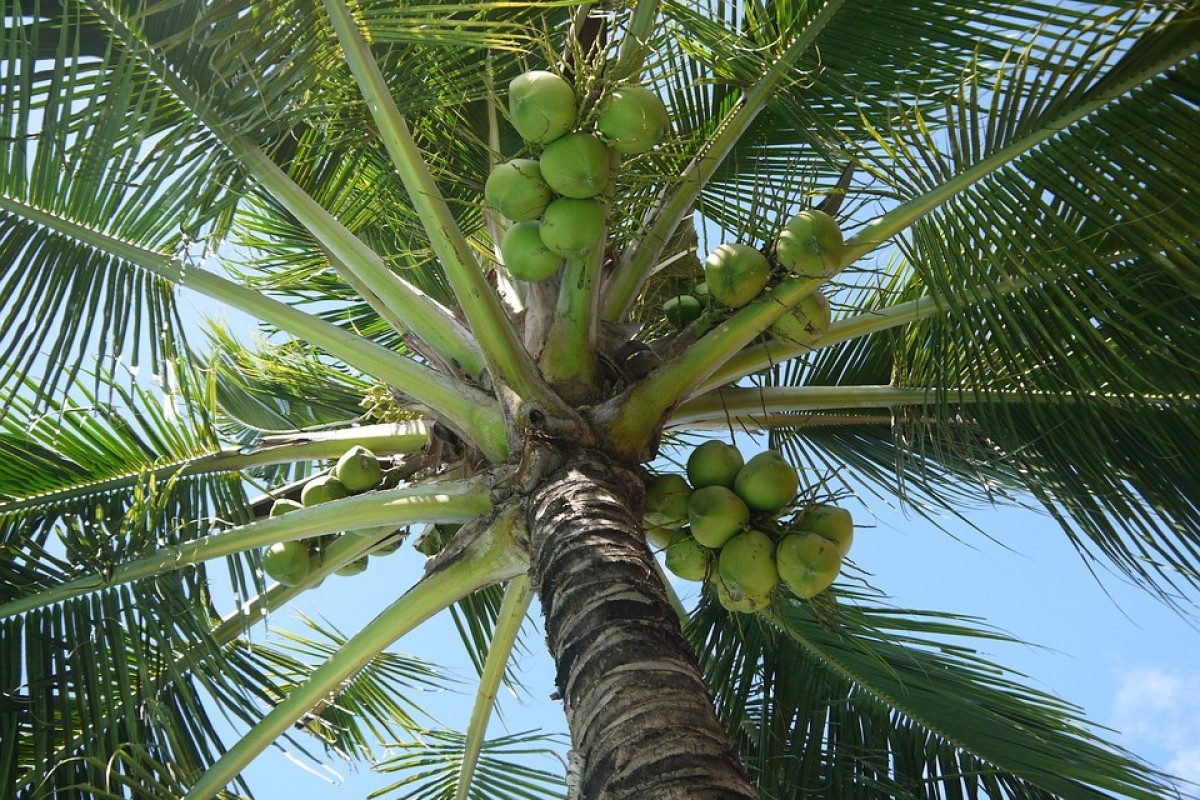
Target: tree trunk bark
640	717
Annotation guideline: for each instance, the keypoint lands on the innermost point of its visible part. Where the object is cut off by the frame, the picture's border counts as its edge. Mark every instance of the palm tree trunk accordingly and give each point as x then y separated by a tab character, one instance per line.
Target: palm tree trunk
640	717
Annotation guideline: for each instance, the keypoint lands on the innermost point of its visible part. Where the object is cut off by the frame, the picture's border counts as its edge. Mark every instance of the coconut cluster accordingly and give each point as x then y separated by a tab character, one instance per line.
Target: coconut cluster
290	563
810	245
554	200
721	524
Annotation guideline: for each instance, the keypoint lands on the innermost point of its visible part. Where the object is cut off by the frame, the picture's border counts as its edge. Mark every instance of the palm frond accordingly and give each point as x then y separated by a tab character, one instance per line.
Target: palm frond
505	770
82	485
864	701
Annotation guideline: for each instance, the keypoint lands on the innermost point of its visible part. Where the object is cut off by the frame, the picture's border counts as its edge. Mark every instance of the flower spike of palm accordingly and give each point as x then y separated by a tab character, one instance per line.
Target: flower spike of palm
470	236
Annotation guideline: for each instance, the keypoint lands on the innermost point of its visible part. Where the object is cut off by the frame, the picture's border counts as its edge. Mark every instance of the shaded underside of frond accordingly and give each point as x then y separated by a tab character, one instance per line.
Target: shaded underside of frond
853	700
1063	363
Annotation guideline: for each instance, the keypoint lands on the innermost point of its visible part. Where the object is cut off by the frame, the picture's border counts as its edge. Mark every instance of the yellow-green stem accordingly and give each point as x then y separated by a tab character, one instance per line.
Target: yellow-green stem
502	349
457	501
495	558
513	608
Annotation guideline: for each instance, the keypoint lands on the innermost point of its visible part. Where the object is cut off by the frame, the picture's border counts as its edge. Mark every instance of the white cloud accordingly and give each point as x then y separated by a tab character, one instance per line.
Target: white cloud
1155	709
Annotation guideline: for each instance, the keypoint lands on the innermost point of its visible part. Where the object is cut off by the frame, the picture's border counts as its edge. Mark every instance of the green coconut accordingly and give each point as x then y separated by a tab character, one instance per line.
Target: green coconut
354	567
517	190
322	490
288	563
767	482
810	244
747	562
525	255
390	545
806	323
834	523
576	165
283	506
667	498
700	292
632	119
358	470
736	274
541	106
688	559
570	226
682	310
807	563
735	599
716	514
714	463
660	536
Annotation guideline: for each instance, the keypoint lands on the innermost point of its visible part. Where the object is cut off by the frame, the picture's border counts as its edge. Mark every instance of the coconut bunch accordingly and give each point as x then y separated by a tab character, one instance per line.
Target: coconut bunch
290	563
721	524
554	200
810	246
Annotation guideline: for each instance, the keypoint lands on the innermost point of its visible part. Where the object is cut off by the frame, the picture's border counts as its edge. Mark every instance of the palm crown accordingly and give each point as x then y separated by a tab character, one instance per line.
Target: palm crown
1014	314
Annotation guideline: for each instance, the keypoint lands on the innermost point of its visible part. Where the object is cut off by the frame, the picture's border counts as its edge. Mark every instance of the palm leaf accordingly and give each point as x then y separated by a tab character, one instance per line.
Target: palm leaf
860	700
504	772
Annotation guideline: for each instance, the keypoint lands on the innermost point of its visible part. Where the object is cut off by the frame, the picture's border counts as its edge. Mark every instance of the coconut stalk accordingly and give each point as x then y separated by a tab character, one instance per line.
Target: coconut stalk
638	710
631	419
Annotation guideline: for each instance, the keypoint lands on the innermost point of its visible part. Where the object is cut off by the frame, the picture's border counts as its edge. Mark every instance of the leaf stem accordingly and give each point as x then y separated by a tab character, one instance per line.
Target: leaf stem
455	501
493	558
517	597
467	409
742	405
675	200
383	439
423	316
494	334
637	412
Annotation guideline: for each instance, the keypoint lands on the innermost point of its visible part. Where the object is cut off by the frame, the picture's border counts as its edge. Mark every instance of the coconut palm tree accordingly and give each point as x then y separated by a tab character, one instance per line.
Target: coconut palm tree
1014	288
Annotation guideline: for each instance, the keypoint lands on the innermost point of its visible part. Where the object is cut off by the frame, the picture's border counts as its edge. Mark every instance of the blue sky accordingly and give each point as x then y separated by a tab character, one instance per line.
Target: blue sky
1127	659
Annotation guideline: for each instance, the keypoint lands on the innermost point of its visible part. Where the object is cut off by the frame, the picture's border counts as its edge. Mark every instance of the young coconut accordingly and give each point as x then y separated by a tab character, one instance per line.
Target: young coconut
747	564
283	506
687	558
682	310
810	244
632	119
517	190
714	463
667	501
807	323
716	514
576	165
525	255
358	470
736	274
807	562
541	106
571	226
287	562
767	482
834	523
354	567
322	490
733	598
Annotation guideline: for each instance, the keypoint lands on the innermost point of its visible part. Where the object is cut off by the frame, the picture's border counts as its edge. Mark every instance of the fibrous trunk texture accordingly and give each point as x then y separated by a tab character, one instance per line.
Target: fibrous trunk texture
641	721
